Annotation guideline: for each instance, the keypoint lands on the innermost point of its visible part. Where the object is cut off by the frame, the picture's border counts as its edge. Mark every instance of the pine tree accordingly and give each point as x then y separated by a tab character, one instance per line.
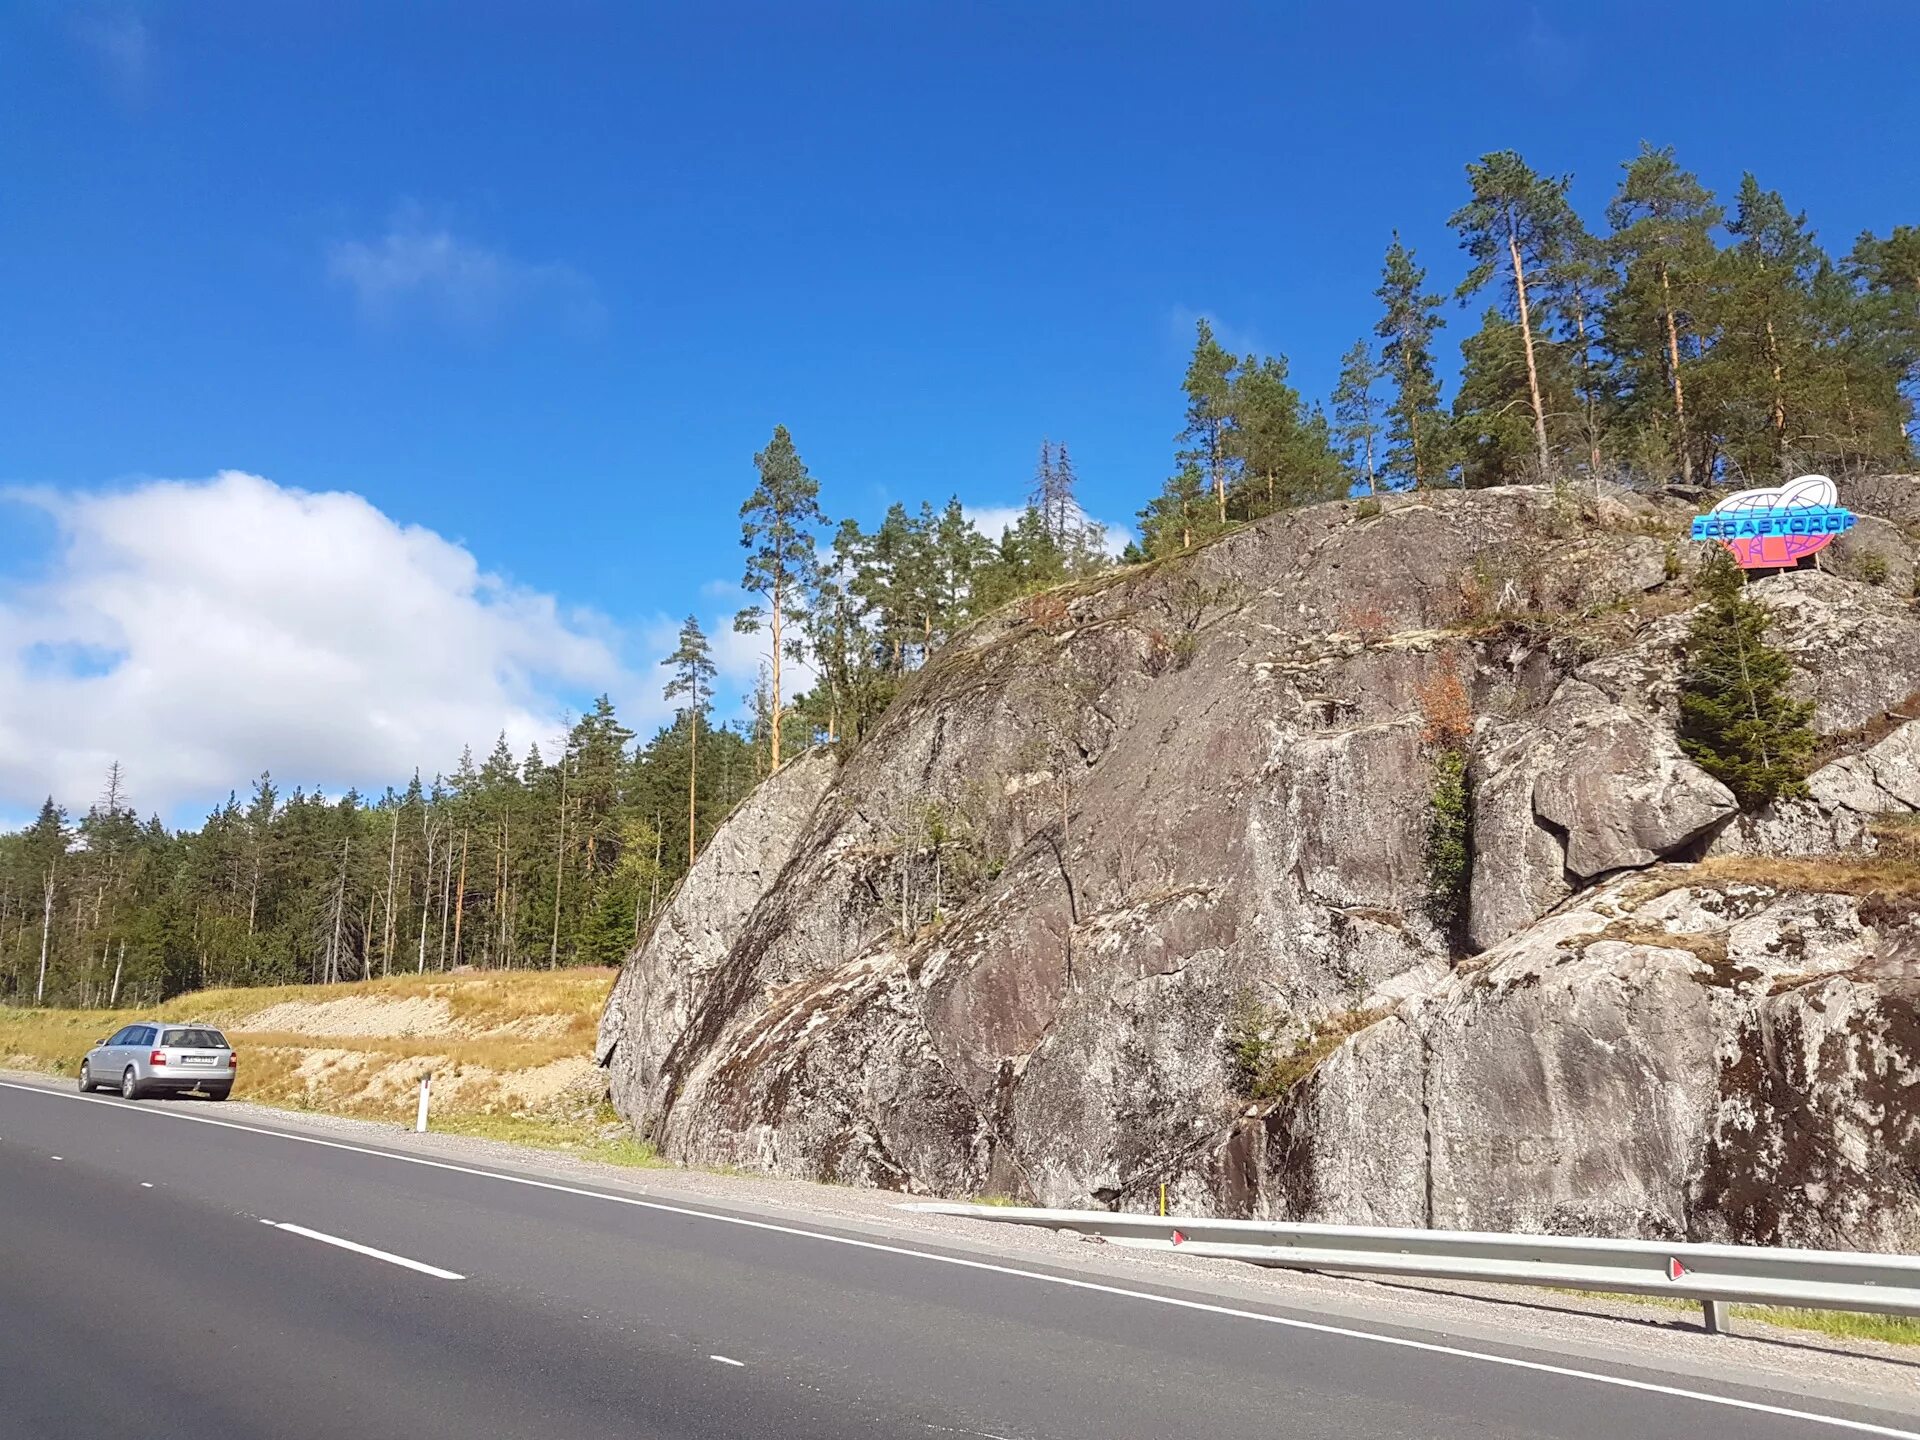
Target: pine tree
1492	433
776	528
693	676
1516	219
1209	429
1357	410
1762	371
1738	720
1662	219
1282	457
1407	326
959	551
1575	288
1179	515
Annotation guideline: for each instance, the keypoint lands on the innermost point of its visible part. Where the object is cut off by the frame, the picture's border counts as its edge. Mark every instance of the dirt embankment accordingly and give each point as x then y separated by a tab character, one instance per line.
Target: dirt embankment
499	1043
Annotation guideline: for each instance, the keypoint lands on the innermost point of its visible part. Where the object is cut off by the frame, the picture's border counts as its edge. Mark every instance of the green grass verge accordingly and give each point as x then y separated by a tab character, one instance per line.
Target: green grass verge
569	1137
1846	1324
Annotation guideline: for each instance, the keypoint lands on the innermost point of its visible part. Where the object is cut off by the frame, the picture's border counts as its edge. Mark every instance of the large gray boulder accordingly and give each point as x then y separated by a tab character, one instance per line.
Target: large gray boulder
1585	788
1681	1056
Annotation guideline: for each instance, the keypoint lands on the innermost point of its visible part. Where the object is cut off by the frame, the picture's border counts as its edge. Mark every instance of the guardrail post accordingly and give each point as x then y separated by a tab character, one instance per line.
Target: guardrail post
420	1115
1714	1317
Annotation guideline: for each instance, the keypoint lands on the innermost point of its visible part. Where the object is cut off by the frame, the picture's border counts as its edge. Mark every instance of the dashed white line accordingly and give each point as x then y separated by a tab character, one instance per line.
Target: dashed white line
1288	1322
56	1157
146	1184
367	1250
728	1360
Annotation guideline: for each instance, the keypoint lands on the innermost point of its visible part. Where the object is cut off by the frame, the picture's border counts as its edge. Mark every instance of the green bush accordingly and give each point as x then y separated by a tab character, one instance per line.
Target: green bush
1873	569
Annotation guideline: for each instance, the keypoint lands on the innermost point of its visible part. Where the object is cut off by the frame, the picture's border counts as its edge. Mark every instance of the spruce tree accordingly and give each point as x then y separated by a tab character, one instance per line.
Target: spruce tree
776	528
1738	720
1406	329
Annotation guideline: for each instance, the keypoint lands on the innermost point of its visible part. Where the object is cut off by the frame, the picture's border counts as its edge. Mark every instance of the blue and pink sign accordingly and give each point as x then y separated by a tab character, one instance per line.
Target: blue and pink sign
1765	529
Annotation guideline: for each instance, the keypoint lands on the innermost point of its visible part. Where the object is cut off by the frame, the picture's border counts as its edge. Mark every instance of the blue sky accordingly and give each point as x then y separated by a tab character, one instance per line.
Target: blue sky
538	280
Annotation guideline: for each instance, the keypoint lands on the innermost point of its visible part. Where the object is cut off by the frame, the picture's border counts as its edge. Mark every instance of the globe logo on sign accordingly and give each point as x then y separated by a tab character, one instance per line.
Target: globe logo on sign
1770	529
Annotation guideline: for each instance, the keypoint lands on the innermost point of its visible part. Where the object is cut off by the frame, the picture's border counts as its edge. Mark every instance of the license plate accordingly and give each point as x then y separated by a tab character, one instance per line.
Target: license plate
196	1060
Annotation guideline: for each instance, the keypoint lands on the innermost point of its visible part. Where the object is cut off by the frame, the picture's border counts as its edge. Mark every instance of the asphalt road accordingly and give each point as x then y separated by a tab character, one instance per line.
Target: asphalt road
149	1285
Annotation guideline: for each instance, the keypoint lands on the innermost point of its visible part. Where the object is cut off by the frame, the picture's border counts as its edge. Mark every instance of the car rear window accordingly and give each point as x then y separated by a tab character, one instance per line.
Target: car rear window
196	1039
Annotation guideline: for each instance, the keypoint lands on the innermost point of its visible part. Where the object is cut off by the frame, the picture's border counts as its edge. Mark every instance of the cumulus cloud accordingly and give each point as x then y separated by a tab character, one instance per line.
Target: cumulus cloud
203	631
418	268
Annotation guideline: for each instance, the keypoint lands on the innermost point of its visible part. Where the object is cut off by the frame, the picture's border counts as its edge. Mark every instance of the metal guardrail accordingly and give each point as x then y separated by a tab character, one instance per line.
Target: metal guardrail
1714	1275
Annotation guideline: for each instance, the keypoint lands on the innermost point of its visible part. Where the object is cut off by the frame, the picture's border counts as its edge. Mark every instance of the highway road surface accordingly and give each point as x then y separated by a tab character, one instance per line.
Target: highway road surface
172	1269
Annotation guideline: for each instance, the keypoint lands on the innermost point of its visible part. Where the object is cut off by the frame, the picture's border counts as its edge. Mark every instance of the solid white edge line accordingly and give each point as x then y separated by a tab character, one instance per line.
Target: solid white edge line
1430	1347
728	1360
368	1250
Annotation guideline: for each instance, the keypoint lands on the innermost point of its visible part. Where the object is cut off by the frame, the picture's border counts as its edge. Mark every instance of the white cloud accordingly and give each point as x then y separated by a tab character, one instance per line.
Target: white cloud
120	41
991	520
421	268
1184	320
203	631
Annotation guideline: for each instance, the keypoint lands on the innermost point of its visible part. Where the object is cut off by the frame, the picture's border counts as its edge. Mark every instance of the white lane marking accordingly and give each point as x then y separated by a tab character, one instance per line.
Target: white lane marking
58	1157
728	1360
1399	1342
368	1250
146	1184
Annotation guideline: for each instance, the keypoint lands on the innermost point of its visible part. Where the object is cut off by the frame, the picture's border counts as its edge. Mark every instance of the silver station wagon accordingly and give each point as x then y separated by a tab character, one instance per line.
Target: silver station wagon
154	1058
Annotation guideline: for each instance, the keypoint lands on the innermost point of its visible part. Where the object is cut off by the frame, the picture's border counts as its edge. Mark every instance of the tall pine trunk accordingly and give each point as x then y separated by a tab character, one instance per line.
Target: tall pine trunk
1779	401
1526	336
774	702
1679	391
460	910
386	917
559	869
1586	387
693	771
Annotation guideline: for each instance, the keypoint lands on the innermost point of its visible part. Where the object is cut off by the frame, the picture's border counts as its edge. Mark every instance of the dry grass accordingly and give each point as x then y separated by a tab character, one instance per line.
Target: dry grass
1883	874
500	1044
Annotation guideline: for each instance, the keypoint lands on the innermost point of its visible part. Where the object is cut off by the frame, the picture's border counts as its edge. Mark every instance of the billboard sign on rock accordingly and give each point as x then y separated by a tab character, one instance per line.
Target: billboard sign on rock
1769	529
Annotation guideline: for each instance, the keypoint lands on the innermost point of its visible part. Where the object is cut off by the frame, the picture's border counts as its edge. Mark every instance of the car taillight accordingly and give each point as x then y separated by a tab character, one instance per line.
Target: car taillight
159	1057
233	1062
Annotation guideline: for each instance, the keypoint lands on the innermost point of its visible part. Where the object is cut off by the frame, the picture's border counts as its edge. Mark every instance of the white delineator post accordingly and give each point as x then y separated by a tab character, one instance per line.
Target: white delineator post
420	1115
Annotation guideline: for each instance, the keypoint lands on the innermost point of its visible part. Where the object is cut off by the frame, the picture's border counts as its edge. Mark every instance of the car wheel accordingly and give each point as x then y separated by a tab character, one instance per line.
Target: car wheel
129	1085
217	1094
86	1079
